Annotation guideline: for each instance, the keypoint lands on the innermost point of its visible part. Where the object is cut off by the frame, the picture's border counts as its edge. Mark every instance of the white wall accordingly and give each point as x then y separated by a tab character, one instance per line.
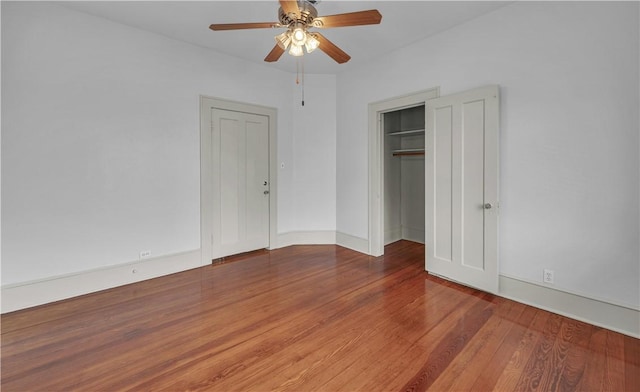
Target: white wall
569	135
314	153
100	139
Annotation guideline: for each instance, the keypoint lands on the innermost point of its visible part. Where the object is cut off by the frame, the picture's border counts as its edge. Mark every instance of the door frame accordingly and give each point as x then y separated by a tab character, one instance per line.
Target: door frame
376	160
206	165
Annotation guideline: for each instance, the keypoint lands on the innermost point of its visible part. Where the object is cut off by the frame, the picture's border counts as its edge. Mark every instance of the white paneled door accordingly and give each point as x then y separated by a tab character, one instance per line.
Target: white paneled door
240	155
461	189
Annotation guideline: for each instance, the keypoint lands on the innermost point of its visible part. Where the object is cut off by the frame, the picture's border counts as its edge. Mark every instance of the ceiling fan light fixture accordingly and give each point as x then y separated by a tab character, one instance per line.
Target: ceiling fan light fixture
311	43
296	50
298	36
283	40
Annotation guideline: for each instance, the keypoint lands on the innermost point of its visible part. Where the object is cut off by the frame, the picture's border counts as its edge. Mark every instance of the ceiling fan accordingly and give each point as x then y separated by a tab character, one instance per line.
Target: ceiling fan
297	17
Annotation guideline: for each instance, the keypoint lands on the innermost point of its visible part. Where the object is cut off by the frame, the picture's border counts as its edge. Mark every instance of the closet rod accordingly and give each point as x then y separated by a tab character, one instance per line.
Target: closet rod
408	152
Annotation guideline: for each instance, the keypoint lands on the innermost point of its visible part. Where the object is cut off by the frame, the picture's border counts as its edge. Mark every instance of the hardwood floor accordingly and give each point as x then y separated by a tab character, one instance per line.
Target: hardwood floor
309	318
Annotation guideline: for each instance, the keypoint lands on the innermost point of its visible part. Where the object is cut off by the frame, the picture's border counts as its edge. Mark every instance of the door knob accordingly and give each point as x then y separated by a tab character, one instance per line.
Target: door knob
487	206
266	192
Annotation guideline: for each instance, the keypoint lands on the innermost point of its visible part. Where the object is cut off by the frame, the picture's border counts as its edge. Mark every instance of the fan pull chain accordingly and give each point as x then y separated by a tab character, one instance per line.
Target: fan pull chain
297	70
300	74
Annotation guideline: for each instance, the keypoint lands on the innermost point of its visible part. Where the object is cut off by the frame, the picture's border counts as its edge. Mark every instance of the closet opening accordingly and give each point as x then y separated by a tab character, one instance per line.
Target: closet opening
403	131
397	169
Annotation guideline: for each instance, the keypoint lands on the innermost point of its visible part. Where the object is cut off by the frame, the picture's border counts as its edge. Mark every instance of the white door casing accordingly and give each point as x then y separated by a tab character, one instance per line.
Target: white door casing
376	160
237	158
461	187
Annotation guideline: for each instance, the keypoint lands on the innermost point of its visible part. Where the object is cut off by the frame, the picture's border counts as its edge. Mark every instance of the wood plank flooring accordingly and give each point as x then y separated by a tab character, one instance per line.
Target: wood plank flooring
309	318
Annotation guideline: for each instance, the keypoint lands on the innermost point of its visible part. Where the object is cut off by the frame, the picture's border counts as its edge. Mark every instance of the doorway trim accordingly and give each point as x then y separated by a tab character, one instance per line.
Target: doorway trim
206	165
376	160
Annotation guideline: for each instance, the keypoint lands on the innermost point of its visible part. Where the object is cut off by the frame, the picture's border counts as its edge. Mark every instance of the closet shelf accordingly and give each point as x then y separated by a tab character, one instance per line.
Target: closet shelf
409	132
408	151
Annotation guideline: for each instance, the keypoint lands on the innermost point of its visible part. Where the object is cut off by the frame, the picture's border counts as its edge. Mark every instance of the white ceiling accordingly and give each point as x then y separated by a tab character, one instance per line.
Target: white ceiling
403	22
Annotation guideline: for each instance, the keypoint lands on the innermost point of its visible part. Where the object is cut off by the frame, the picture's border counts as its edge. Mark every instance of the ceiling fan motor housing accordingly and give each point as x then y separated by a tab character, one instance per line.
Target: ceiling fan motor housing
307	14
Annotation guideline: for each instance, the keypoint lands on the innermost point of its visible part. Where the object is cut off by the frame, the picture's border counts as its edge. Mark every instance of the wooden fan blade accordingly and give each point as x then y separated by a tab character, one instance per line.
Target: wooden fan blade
275	54
241	26
349	19
331	49
290	7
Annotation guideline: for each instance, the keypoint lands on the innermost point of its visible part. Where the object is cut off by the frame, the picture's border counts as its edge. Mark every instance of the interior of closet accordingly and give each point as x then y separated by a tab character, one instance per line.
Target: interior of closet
404	199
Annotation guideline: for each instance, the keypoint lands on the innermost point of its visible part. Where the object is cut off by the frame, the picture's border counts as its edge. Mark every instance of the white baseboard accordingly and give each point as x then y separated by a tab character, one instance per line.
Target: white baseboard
413	234
603	314
404	233
392	235
354	243
327	237
28	294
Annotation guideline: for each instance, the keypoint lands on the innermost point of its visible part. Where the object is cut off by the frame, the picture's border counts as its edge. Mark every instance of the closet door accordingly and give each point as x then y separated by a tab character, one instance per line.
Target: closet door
240	151
461	188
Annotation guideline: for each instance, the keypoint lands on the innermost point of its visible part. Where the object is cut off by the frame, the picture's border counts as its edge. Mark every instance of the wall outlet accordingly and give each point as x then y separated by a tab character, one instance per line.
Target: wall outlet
547	276
145	253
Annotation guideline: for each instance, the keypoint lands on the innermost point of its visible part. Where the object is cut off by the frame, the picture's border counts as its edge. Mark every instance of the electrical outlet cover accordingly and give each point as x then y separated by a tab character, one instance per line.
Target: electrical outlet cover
547	276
